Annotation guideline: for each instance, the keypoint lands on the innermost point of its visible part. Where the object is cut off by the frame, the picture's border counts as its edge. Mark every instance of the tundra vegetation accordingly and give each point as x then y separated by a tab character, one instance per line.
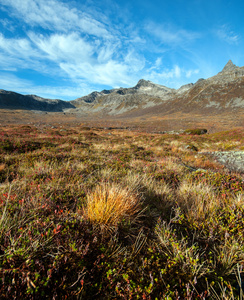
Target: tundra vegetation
88	213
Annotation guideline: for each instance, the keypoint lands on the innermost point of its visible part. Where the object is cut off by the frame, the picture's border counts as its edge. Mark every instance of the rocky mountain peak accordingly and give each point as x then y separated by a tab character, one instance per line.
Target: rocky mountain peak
229	66
144	83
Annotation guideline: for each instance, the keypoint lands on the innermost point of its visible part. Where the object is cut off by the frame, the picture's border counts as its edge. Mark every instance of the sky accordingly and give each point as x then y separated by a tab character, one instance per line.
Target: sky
65	49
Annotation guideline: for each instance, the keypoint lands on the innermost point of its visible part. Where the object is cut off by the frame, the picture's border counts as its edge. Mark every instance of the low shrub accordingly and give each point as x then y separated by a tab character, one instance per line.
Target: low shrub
197	131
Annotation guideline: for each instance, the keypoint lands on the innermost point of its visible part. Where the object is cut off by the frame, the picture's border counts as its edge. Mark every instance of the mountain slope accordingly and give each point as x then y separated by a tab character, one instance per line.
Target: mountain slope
220	92
118	101
223	92
11	100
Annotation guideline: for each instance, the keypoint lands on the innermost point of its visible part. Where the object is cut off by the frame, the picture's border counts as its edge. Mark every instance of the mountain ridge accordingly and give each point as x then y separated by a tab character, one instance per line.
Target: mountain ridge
13	100
223	91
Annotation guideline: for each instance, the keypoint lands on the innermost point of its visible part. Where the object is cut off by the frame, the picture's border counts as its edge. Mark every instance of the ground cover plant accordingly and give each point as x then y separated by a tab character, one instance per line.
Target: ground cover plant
114	214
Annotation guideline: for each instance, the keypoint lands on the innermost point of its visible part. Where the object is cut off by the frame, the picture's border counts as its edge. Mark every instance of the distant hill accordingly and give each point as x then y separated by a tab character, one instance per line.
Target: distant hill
11	100
223	92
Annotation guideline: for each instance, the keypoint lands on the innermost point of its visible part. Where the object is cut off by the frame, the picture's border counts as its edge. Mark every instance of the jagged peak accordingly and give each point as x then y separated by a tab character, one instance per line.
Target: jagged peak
229	66
147	84
143	82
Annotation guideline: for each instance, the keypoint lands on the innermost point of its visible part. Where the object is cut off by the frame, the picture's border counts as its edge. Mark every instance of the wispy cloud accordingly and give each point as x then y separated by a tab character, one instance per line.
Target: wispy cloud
175	72
170	36
21	53
7	24
189	73
76	44
227	35
67	42
12	82
90	60
55	15
63	47
174	77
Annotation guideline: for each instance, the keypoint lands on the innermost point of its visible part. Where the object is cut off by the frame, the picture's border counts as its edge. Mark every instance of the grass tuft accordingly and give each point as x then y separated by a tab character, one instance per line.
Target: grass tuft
110	204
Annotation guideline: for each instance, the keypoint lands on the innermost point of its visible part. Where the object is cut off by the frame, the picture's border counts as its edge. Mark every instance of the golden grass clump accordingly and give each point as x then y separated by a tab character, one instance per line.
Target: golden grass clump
109	204
2	167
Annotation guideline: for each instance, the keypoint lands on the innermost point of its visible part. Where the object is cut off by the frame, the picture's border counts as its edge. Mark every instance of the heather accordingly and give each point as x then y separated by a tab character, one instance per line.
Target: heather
94	213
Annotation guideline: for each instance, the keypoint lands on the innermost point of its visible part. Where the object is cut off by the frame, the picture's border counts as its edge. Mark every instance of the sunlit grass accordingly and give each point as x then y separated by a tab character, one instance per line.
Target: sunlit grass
110	204
92	213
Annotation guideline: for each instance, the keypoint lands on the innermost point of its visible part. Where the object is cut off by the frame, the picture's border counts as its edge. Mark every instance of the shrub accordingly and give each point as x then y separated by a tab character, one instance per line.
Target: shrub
196	131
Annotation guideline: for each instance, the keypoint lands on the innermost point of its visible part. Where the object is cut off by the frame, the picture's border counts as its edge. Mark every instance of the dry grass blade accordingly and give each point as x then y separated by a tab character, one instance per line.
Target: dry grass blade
139	243
3	218
239	280
110	204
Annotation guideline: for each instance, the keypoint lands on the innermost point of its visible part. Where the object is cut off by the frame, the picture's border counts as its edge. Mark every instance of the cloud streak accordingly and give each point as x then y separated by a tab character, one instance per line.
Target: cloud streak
225	34
55	15
170	36
77	44
14	83
86	49
176	74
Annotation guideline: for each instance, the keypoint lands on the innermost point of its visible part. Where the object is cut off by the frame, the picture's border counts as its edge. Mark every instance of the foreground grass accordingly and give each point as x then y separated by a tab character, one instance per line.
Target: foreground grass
90	213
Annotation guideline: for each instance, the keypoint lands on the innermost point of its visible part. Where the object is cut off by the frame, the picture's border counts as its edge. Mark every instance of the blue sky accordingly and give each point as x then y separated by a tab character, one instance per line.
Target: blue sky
67	49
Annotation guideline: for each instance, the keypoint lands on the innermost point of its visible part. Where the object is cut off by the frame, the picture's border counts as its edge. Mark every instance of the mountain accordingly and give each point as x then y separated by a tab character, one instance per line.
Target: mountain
11	100
118	101
223	92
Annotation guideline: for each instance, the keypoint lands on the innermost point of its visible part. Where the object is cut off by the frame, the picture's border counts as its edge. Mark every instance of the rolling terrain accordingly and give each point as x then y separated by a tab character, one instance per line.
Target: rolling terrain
210	102
124	182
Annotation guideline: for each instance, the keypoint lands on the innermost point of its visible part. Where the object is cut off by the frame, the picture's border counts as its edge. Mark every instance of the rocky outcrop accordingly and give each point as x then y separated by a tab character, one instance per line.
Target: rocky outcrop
229	67
232	160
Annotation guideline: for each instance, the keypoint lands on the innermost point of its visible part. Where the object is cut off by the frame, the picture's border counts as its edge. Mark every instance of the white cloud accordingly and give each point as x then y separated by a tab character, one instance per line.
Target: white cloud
88	60
111	73
56	15
12	46
63	47
225	34
134	61
84	48
158	62
11	82
177	71
7	24
170	36
21	53
174	77
167	74
189	73
81	47
106	51
91	60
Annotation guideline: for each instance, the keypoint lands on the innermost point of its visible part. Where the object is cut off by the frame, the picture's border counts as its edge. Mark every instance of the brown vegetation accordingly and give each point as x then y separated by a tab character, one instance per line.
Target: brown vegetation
118	213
